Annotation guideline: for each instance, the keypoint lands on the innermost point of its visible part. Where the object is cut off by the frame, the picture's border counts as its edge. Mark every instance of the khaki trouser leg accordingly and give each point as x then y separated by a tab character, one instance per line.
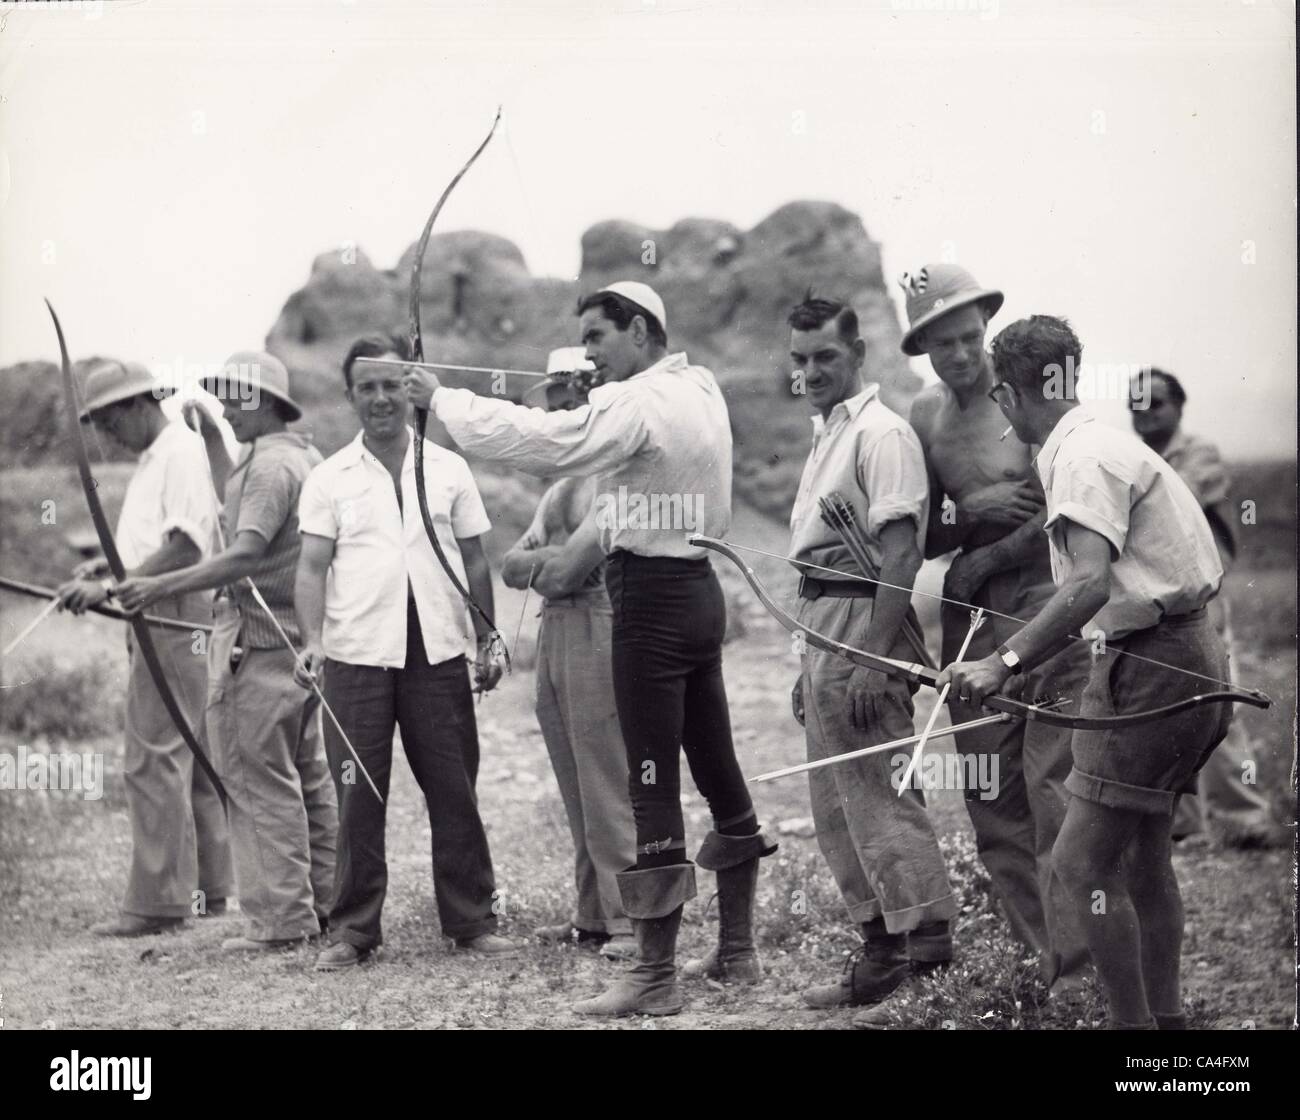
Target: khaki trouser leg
159	773
880	847
1224	792
264	728
575	707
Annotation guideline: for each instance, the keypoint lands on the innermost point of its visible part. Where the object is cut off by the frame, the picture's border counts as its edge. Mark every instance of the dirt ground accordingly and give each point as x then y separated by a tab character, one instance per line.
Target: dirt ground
63	862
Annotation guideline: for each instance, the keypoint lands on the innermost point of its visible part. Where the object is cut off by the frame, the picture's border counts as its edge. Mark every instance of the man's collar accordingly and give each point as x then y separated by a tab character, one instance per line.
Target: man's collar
1064	426
669	363
850	406
357	451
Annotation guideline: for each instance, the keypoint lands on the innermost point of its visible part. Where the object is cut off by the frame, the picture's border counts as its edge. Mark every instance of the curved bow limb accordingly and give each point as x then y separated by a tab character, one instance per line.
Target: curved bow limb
139	627
498	644
920	674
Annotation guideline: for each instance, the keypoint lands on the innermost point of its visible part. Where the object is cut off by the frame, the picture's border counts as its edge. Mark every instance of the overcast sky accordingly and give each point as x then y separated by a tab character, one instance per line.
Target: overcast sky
169	170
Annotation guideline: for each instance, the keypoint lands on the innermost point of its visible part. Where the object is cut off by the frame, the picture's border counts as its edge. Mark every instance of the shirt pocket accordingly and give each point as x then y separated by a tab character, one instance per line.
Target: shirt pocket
354	511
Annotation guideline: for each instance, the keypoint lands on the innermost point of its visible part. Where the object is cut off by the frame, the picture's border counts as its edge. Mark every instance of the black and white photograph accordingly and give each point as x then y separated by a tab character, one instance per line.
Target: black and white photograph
649	515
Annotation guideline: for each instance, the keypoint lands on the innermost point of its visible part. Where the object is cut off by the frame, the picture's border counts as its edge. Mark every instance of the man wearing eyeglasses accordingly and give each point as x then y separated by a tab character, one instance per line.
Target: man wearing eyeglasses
1135	563
986	503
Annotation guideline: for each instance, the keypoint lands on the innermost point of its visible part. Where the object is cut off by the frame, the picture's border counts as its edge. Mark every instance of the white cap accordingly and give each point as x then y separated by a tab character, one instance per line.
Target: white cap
568	359
642	295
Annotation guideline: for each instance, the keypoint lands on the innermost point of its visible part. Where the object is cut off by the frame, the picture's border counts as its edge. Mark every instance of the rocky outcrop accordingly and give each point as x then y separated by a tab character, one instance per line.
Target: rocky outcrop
727	290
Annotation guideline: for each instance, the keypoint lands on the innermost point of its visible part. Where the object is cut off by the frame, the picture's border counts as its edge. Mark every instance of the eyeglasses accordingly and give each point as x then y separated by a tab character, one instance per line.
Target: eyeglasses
993	393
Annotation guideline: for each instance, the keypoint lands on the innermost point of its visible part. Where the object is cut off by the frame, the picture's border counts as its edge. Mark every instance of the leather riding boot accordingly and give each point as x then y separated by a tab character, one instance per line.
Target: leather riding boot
653	899
735	860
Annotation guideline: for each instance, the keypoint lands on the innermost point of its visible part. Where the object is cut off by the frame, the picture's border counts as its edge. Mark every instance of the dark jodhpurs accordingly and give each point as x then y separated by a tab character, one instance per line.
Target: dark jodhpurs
669	620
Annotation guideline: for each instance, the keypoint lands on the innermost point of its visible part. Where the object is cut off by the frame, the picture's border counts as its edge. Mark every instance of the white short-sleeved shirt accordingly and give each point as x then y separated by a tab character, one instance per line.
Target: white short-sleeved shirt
1165	560
379	549
870	455
171	489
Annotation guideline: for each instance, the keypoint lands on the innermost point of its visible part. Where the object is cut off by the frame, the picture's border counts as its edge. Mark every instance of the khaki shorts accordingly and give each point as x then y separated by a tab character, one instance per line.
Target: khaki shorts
1143	768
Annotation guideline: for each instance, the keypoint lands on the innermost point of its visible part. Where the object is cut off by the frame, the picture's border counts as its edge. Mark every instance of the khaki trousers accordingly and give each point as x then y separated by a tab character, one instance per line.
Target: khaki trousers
881	848
267	745
179	839
579	721
1015	831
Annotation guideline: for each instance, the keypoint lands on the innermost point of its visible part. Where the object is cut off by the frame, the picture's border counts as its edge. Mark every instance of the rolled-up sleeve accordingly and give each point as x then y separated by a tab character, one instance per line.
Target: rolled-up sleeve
1090	494
189	504
891	470
315	510
584	441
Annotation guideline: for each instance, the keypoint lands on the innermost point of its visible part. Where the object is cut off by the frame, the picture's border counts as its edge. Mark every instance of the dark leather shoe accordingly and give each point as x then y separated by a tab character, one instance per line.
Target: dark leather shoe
489	945
870	974
340	955
136	925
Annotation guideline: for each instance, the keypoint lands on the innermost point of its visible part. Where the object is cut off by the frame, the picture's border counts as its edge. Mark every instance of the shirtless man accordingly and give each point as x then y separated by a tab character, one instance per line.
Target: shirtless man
986	502
560	558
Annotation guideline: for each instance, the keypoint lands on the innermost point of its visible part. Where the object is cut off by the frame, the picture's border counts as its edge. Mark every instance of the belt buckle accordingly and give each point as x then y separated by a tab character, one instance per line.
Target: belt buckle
809	588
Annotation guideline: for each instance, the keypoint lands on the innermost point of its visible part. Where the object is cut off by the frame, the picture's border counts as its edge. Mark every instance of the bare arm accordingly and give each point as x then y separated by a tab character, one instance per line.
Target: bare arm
521	562
177	551
478	578
1077	599
83	591
973	568
232	565
219	462
900	560
314	559
869	691
568	570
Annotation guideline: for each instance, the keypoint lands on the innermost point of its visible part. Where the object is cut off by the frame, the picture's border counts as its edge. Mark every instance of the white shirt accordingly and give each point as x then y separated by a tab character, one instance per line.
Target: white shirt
1165	560
378	549
659	444
870	455
171	490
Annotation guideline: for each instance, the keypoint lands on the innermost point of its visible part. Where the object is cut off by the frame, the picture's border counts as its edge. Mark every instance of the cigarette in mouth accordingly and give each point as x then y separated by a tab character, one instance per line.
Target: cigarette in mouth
1006	433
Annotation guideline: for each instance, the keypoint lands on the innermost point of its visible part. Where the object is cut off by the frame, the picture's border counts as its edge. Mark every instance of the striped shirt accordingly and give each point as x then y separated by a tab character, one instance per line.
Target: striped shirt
262	498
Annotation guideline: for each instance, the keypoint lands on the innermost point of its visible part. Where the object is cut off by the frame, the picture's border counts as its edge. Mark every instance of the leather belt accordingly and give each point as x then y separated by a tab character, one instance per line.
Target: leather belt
810	588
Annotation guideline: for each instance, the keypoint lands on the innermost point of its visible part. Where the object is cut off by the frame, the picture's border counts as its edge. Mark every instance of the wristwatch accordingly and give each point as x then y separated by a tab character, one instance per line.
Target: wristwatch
1010	659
